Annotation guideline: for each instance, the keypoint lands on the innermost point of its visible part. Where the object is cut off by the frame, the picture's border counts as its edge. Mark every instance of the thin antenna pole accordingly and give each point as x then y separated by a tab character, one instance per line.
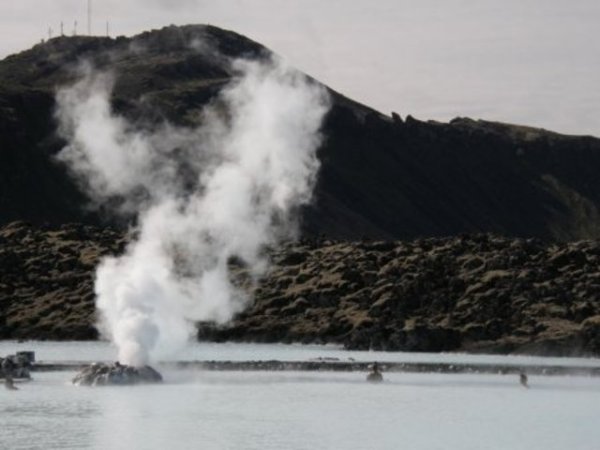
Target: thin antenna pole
75	29
107	29
62	29
89	16
49	33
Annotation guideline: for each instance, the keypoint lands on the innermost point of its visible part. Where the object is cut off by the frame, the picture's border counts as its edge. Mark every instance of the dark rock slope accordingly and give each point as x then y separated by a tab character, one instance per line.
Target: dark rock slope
382	177
468	293
46	279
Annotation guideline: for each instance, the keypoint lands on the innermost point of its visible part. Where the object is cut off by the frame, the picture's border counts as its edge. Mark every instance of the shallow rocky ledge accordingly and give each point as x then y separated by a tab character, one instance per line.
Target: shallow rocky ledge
477	293
347	366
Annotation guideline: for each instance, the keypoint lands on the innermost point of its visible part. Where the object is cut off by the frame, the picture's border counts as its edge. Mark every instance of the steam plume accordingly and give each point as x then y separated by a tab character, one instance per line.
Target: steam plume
203	195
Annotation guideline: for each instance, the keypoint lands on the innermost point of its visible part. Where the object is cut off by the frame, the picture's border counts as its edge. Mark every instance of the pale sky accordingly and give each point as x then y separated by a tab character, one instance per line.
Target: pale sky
533	62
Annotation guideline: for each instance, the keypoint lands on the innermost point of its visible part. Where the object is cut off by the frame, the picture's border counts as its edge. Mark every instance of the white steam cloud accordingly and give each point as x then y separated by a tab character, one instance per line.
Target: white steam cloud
227	188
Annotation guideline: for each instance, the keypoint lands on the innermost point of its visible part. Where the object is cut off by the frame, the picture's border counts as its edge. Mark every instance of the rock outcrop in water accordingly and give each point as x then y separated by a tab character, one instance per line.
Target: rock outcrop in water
100	374
16	366
468	293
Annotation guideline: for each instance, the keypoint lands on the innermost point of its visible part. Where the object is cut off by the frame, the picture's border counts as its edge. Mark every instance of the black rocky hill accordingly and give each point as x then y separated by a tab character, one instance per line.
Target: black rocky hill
382	177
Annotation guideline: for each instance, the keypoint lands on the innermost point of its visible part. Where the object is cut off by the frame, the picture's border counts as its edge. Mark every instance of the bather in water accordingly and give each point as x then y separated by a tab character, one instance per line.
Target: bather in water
10	384
375	375
523	380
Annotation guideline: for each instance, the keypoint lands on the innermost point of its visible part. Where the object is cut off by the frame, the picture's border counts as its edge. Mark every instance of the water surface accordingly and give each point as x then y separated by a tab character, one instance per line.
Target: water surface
50	351
293	410
249	410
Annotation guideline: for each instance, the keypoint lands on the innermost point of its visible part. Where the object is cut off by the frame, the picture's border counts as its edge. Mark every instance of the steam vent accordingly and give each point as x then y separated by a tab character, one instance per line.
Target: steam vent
101	374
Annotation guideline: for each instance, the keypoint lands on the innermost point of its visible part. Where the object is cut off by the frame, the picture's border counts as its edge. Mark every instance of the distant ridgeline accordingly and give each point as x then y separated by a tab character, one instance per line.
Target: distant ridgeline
381	177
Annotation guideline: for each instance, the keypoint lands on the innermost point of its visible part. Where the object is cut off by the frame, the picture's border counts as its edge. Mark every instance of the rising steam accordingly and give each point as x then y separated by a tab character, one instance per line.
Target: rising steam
201	197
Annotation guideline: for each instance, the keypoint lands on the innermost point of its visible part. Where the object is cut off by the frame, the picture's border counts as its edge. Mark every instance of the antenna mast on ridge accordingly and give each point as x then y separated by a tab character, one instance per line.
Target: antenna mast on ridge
89	16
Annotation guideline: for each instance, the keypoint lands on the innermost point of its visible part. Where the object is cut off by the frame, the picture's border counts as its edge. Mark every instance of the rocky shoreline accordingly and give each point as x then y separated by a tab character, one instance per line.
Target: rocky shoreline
476	293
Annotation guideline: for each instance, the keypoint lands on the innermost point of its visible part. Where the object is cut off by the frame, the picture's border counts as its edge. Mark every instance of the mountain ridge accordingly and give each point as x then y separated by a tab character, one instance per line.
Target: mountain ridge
382	177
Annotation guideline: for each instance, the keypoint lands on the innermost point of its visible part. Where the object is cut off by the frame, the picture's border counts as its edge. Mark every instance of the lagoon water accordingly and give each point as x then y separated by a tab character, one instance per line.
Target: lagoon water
291	410
52	351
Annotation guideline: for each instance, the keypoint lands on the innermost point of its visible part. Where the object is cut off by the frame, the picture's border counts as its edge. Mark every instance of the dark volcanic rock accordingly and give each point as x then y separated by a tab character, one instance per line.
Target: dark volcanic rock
380	177
46	279
468	293
16	366
100	374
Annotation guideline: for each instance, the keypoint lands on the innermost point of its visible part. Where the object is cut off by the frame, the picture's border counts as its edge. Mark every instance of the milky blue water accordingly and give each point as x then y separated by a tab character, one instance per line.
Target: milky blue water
308	410
103	351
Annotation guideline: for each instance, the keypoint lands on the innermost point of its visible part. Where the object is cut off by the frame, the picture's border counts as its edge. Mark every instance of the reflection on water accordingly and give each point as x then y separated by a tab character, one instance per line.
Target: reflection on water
260	410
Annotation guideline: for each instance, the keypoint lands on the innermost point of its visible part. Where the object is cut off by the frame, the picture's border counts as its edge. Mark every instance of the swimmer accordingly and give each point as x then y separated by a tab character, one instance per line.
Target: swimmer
375	375
9	384
523	380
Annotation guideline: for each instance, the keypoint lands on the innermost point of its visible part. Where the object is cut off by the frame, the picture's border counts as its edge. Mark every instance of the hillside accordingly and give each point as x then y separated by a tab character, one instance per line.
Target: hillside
382	177
423	236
